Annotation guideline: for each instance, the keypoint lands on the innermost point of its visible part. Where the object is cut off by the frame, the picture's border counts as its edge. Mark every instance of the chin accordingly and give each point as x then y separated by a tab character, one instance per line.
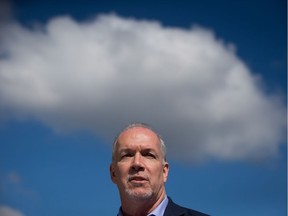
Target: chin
139	194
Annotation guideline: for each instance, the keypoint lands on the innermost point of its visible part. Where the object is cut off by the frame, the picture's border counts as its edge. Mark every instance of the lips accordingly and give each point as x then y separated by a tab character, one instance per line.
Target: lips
138	179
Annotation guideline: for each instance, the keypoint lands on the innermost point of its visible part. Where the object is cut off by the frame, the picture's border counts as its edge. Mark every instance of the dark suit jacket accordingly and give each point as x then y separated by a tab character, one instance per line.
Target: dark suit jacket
173	209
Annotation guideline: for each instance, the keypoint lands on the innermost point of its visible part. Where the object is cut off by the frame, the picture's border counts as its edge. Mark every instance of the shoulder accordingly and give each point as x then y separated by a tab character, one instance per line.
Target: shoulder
174	209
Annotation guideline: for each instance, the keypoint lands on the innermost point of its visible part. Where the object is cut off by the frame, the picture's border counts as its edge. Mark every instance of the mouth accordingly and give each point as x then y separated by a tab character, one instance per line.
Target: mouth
137	179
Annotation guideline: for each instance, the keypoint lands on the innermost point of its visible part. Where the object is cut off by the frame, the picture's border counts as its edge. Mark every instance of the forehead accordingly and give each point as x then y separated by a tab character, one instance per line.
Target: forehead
138	136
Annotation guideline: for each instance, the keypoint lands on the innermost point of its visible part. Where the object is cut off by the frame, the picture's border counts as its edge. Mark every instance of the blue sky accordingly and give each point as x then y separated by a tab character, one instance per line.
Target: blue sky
209	76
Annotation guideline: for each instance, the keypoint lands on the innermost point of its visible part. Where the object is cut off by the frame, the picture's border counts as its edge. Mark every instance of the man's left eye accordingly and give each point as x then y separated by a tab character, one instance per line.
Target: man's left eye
150	155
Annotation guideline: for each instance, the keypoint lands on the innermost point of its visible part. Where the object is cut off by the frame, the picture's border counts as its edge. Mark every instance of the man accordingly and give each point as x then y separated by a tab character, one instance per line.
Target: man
140	170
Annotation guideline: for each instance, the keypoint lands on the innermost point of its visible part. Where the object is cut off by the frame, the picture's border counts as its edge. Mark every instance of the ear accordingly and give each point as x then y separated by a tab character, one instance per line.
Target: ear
112	173
165	171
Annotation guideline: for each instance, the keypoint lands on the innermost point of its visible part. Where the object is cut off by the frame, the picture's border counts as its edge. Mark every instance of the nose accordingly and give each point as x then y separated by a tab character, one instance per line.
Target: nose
137	163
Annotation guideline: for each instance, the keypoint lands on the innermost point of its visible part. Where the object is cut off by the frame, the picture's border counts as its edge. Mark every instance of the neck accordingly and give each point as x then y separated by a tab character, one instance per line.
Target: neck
133	207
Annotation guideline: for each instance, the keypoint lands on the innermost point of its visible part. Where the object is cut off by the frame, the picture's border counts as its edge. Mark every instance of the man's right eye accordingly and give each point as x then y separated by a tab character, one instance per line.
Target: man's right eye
126	155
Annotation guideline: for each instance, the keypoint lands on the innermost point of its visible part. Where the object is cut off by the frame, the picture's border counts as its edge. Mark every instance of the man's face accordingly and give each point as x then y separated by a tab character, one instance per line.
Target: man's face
139	169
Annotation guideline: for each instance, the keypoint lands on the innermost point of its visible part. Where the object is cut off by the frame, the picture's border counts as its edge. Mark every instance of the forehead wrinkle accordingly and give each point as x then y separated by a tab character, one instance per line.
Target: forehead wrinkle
138	141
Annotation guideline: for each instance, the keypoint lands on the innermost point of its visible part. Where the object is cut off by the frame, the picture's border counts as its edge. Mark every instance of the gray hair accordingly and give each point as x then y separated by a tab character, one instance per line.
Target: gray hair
143	125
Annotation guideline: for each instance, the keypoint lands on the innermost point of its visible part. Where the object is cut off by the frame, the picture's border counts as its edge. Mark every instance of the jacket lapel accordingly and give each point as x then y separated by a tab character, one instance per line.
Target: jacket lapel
173	209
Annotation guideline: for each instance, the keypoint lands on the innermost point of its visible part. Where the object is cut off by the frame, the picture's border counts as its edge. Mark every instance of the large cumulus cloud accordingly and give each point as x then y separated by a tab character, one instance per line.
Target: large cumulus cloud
104	73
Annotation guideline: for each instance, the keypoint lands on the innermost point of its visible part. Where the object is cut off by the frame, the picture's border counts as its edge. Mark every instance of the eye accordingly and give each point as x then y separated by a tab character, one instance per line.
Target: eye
150	155
126	155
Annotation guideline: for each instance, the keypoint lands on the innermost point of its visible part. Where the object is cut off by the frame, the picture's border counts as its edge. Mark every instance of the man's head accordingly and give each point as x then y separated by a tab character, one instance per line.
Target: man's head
139	166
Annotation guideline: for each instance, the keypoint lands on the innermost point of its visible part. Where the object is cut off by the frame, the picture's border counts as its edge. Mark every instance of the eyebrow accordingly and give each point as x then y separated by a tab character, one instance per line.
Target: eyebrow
124	149
149	150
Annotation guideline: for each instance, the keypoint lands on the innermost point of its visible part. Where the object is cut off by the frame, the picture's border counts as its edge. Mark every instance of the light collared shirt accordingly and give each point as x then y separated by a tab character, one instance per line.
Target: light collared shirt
158	211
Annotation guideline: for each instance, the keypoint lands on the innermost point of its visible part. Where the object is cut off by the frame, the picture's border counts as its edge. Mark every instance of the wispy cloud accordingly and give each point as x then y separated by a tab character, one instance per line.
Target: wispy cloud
12	183
8	211
107	72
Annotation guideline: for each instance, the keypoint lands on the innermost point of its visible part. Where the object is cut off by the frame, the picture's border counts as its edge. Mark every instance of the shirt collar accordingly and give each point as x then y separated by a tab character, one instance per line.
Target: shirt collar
158	211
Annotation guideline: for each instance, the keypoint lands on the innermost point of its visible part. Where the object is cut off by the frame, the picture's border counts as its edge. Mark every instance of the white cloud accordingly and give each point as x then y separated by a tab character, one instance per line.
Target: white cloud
13	182
108	72
7	211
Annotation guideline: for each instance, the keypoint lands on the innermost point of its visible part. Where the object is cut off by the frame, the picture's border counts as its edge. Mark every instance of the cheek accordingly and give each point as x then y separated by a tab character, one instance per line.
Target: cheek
122	171
157	173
